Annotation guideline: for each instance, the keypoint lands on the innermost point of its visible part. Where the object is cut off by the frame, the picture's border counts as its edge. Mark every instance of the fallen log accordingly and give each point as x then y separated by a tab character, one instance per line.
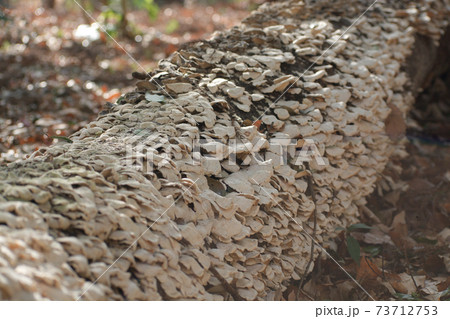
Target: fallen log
192	186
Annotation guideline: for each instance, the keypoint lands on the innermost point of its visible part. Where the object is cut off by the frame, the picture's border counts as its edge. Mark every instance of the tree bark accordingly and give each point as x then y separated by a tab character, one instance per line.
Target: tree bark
124	21
129	208
49	4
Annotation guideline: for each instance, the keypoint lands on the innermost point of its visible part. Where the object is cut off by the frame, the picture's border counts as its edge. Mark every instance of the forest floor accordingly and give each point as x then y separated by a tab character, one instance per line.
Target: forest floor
55	75
405	255
55	80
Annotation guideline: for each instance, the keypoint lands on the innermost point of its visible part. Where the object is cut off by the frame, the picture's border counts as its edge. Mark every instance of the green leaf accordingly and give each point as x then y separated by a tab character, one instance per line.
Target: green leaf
172	26
353	249
404	296
152	10
63	138
445	295
372	250
121	100
358	226
411	297
149	5
424	240
339	228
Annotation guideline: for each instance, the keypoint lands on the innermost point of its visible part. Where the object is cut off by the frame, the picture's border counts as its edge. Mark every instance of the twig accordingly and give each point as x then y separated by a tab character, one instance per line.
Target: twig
373	270
305	294
382	264
313	195
369	214
410	271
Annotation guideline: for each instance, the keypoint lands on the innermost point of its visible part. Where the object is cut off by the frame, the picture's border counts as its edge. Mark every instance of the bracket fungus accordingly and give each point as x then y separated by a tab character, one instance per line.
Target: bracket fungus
212	222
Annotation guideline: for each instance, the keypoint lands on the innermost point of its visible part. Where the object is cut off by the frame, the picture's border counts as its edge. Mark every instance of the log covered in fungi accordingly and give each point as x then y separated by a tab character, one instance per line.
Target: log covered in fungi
177	193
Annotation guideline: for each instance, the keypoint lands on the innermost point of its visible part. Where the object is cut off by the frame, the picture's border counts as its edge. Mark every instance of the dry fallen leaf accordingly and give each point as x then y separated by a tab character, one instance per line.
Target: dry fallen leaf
399	232
374	237
367	270
434	264
444	236
404	283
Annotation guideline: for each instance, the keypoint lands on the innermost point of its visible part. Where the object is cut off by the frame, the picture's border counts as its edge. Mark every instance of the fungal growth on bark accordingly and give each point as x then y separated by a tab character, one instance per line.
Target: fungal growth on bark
192	186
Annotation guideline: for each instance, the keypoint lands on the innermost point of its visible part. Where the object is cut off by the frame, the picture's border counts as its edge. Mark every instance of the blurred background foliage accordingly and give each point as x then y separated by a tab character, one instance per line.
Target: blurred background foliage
114	12
59	66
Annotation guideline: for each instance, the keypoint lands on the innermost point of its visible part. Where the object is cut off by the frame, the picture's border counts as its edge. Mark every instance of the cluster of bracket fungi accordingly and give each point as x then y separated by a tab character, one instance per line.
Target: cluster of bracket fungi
84	219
